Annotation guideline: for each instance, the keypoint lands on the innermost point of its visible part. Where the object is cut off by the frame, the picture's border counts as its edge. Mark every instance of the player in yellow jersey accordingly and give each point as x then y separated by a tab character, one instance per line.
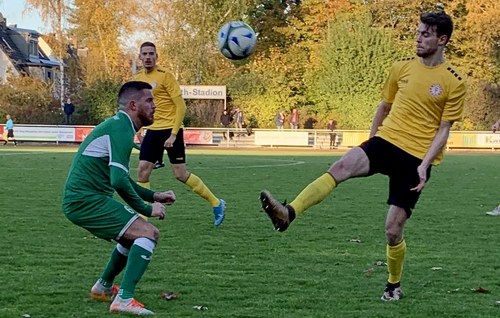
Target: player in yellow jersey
422	97
166	131
495	211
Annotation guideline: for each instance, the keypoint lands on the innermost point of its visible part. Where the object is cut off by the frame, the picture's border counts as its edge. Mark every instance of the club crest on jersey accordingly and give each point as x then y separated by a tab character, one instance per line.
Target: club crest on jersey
435	90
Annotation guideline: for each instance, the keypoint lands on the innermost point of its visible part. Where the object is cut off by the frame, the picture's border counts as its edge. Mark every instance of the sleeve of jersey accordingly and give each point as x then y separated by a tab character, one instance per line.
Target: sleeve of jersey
121	182
174	91
145	194
121	147
391	84
454	107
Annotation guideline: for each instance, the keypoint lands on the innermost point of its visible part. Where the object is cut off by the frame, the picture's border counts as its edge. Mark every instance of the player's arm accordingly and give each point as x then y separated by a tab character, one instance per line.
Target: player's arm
437	144
144	193
121	182
174	91
180	112
383	110
388	94
434	150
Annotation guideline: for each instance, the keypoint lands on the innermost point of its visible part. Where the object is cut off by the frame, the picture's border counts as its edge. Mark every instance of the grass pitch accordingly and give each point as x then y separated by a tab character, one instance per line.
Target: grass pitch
325	265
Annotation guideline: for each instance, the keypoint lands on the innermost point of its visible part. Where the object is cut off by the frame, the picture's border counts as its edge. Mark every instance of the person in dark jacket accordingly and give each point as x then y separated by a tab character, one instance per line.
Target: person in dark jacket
69	109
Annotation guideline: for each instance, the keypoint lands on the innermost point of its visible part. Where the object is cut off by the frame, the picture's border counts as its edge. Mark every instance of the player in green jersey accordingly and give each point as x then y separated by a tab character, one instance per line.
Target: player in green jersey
101	168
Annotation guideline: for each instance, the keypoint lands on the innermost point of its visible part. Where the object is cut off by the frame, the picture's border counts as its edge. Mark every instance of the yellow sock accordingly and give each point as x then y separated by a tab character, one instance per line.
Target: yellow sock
395	259
146	185
198	187
314	193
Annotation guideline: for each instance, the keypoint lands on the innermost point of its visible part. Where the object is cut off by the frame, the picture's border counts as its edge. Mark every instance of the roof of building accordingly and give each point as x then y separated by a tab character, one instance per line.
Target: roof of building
17	57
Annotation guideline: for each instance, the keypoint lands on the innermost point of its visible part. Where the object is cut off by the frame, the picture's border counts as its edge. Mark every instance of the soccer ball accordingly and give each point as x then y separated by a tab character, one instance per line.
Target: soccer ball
236	40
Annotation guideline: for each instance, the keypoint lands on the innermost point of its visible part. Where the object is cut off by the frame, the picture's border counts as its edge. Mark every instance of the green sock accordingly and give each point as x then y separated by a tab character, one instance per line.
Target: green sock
115	265
138	260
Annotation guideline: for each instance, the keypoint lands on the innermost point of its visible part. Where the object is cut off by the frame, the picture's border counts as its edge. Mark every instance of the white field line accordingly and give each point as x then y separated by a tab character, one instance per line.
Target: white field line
279	163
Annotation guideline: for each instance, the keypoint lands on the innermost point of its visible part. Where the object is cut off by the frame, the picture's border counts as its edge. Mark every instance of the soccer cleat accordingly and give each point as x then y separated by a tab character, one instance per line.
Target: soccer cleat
495	212
392	292
219	212
104	294
281	214
129	306
158	165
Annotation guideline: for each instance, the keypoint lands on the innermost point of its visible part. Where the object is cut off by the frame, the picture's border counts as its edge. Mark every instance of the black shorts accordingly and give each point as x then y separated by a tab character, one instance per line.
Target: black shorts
153	145
400	166
10	133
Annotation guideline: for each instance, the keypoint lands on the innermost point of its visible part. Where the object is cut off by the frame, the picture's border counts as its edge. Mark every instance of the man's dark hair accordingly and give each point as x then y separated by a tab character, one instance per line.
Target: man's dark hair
440	20
129	91
151	44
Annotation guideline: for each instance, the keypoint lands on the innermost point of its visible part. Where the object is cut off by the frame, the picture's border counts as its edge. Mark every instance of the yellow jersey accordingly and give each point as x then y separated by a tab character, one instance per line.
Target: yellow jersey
422	97
166	91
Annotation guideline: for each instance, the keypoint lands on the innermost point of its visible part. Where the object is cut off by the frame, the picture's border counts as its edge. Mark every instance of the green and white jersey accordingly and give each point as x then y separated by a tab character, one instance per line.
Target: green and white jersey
101	166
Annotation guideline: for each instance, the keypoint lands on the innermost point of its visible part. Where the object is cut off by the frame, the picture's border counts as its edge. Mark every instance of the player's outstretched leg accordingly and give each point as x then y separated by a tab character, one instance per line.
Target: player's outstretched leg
281	214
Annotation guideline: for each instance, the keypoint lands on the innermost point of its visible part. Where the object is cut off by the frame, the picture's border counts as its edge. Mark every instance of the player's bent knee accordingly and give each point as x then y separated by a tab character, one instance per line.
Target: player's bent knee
155	234
152	232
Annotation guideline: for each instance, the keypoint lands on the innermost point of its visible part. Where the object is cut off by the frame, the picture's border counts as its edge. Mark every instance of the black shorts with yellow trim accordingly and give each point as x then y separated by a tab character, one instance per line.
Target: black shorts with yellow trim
153	144
401	167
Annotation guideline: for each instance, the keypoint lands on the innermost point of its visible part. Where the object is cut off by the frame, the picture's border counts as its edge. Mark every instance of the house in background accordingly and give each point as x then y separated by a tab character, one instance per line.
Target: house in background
24	51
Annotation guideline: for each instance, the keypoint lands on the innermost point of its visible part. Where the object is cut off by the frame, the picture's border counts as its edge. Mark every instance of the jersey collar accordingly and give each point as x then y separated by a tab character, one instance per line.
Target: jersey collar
130	119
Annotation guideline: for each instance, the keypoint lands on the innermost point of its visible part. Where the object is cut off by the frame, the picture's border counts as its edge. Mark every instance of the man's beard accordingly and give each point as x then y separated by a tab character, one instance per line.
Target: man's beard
145	120
426	53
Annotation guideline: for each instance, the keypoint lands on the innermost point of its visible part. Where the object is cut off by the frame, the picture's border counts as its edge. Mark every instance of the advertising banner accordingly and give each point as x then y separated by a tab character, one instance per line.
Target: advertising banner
281	138
198	137
44	133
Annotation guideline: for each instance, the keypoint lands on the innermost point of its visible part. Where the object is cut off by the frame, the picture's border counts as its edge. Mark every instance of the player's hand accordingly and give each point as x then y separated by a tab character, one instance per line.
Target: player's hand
167	197
158	210
169	143
422	174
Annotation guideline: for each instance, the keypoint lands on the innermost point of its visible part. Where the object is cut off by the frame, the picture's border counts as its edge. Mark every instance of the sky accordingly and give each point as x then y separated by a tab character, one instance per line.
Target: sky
14	12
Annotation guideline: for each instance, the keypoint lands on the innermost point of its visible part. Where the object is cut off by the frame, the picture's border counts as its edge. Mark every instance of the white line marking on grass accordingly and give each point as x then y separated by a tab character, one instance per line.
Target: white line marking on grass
284	163
279	163
17	153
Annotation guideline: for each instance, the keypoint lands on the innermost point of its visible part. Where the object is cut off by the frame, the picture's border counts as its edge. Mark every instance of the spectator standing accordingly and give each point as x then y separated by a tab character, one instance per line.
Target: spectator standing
332	127
294	119
238	118
68	109
280	120
225	121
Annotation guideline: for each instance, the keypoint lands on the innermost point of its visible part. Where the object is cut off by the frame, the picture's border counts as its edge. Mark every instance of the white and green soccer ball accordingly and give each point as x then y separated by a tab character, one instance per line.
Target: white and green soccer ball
236	40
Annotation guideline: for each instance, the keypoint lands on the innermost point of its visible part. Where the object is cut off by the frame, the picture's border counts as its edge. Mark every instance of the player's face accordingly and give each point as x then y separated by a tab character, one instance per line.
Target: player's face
148	56
146	108
428	42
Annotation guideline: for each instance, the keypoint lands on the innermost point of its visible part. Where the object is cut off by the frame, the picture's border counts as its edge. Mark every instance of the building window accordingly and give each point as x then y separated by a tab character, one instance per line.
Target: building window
49	75
33	48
